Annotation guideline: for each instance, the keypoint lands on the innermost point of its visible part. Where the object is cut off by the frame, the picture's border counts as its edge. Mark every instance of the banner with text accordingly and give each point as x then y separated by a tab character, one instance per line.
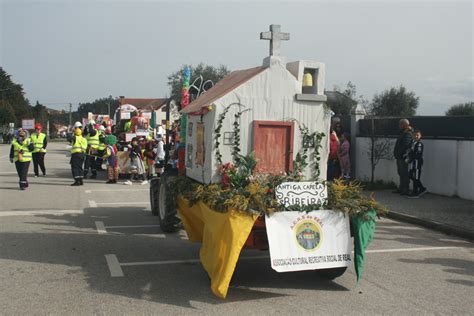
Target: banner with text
307	241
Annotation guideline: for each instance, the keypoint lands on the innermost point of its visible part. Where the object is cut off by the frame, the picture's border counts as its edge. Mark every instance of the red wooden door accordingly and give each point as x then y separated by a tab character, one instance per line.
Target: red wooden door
273	146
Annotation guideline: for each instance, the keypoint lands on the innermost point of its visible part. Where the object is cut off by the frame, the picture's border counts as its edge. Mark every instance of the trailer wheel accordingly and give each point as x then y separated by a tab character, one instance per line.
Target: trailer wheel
331	274
154	190
163	207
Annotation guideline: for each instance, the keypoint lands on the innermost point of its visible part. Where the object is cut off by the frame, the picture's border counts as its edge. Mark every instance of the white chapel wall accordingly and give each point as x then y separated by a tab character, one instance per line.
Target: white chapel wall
271	96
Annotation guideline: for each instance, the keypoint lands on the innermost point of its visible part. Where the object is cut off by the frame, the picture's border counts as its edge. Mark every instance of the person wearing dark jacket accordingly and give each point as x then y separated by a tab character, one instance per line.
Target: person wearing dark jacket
416	164
401	152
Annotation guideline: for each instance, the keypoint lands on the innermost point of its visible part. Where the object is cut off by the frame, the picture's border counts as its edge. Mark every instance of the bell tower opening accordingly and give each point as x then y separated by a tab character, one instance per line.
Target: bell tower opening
310	79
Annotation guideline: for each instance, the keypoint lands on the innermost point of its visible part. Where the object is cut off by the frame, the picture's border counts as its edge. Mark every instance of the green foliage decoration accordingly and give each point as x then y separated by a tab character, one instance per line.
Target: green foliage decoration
309	140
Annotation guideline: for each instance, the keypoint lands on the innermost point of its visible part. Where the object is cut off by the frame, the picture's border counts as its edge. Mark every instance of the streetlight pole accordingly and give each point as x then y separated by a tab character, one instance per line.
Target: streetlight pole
70	115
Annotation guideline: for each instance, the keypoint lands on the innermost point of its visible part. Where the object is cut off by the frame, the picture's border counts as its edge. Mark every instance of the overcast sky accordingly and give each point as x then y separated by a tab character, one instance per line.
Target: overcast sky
77	51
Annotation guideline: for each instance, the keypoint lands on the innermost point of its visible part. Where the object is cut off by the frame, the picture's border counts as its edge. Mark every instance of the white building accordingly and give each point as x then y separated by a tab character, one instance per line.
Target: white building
273	104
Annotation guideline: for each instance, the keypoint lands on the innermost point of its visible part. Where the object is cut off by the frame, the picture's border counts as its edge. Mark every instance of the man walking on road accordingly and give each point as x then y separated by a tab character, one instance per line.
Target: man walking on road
40	142
401	152
79	147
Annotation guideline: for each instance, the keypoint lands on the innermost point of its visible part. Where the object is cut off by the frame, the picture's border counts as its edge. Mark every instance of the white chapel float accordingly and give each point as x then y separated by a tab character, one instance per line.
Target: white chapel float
269	120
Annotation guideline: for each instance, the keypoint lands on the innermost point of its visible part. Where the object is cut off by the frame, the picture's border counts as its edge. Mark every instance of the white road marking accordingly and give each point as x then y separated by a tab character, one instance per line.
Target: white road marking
132	226
120	203
183	235
401	227
39	212
8	172
165	262
100	228
162	236
146	263
114	266
92	203
119	190
409	249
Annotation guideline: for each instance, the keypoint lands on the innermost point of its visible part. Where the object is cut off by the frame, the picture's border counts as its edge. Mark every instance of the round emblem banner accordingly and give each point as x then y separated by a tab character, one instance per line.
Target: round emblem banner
308	234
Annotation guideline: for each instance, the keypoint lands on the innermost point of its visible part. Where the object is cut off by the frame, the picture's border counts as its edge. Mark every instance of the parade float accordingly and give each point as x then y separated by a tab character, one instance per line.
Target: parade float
253	169
141	120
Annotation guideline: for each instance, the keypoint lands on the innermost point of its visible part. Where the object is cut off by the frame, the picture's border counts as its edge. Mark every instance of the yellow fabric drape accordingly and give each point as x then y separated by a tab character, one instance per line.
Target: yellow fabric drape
222	236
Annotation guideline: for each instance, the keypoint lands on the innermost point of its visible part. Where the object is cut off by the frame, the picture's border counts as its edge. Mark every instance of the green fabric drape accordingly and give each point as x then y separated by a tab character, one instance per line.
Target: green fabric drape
364	230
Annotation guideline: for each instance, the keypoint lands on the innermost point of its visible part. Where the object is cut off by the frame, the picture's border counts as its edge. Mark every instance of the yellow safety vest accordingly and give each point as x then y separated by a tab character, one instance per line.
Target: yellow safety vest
79	146
38	141
102	145
93	141
17	147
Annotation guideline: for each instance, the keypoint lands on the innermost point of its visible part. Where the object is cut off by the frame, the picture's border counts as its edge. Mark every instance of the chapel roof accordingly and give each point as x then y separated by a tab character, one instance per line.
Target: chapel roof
221	88
147	104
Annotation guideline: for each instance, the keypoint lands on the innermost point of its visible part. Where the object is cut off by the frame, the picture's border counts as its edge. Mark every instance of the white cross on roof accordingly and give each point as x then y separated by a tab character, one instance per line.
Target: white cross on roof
275	36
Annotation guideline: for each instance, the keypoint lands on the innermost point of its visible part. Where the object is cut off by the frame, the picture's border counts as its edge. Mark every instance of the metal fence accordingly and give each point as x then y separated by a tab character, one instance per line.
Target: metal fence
431	127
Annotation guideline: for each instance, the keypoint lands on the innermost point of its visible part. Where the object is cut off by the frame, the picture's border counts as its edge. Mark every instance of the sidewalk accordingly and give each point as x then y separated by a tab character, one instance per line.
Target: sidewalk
450	215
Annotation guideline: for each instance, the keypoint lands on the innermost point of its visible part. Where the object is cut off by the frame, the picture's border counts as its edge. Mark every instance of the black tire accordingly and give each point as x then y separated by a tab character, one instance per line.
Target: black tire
154	191
331	274
165	209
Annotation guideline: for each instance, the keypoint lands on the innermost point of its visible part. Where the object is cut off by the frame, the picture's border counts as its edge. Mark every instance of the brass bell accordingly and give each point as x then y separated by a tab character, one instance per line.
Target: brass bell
307	80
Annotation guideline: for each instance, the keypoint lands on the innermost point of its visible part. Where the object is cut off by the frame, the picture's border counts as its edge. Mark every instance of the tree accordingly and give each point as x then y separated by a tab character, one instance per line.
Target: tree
207	72
14	95
7	115
99	106
342	102
379	148
395	102
462	109
40	113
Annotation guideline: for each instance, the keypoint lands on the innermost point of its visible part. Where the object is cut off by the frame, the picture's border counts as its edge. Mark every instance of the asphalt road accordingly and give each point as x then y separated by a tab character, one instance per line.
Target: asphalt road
65	250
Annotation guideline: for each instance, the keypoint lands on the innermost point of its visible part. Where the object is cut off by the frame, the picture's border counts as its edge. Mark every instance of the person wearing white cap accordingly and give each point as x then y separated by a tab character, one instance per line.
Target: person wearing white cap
79	146
101	148
92	137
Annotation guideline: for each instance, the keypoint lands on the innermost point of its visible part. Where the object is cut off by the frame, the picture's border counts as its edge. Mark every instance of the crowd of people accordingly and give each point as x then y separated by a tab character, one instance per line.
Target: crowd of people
95	144
408	153
90	147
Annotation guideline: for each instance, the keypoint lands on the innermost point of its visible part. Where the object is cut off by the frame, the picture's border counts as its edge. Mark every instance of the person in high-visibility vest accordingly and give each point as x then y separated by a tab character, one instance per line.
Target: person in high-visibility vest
20	153
40	142
92	137
78	150
101	149
128	127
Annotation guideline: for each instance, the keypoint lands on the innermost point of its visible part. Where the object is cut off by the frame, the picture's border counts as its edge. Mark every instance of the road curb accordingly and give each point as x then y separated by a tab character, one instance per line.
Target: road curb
445	228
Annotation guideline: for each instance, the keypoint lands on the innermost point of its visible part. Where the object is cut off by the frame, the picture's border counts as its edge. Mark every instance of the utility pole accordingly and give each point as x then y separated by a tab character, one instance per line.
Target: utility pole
70	115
